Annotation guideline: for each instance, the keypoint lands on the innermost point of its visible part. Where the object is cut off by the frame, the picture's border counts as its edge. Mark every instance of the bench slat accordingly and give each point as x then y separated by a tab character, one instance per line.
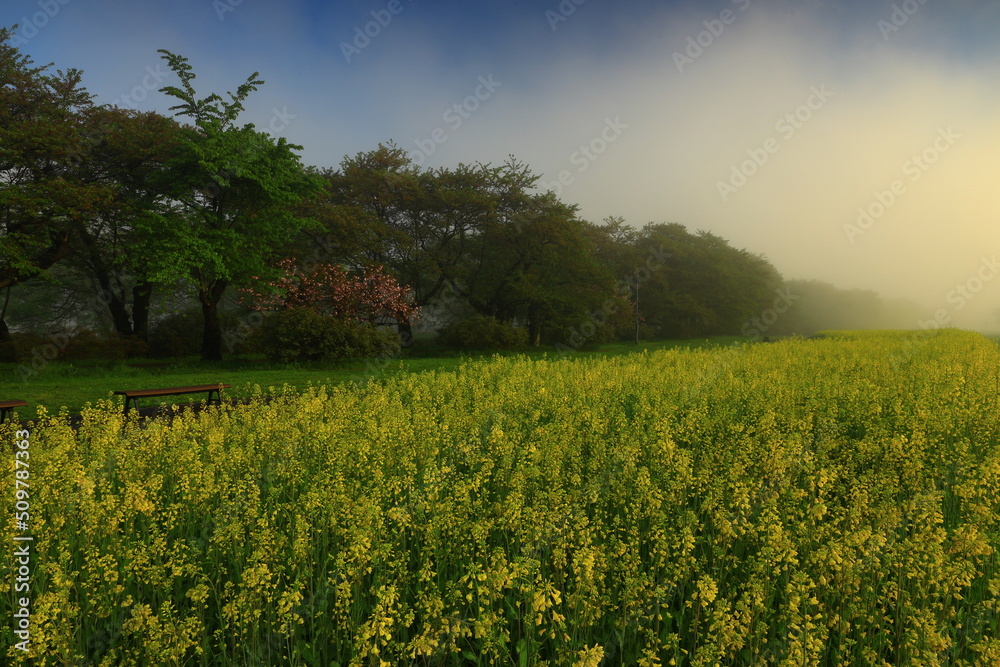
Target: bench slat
170	391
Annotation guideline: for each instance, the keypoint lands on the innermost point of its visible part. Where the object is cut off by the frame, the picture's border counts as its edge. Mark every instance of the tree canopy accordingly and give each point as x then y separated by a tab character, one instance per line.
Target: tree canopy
126	206
232	197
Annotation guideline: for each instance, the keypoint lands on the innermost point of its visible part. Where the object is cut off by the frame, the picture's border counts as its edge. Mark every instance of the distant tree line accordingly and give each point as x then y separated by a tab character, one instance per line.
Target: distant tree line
115	221
820	306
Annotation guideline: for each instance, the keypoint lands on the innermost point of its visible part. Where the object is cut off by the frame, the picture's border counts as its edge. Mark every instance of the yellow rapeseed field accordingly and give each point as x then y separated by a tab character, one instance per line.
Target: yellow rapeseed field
809	502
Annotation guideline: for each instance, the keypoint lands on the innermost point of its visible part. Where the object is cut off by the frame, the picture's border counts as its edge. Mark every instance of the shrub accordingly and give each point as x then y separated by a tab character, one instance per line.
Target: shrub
176	335
484	332
580	335
88	344
179	334
302	334
32	347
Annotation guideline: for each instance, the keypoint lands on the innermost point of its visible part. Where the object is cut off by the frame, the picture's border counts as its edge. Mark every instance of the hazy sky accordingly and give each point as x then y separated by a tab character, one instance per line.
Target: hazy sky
851	142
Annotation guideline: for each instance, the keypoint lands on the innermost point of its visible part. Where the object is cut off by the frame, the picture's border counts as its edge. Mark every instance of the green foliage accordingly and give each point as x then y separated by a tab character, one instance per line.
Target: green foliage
587	334
42	194
537	264
127	152
472	237
233	203
483	332
211	111
702	286
303	334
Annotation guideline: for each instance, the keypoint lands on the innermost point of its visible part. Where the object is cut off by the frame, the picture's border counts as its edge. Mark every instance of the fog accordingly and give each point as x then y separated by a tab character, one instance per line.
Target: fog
886	183
854	144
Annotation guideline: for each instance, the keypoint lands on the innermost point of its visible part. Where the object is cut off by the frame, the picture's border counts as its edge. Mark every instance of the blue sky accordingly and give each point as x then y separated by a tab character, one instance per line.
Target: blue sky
783	126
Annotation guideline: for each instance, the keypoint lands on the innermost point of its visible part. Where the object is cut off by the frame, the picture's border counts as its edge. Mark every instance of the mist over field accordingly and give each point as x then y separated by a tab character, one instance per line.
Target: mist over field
852	143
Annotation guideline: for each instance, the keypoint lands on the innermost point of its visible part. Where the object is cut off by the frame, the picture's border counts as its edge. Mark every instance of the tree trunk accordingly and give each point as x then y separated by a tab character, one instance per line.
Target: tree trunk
534	327
535	334
119	313
113	300
211	341
405	330
8	353
142	294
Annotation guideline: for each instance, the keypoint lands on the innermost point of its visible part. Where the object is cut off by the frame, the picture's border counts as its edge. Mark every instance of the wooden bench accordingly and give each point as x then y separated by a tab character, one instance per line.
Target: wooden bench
7	408
132	396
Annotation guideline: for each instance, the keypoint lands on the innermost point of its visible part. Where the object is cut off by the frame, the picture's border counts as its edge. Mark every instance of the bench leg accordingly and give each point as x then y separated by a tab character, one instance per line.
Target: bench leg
128	401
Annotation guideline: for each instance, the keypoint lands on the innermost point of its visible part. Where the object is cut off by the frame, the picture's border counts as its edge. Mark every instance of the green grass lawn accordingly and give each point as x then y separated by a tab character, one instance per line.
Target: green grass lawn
65	385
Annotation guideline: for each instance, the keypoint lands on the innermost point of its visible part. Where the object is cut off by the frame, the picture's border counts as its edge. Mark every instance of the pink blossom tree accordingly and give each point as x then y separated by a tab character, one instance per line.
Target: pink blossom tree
373	296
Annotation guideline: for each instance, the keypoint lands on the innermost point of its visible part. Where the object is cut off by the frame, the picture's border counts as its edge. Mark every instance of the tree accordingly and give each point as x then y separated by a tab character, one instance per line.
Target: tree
233	198
372	296
417	223
127	151
42	197
536	263
706	287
